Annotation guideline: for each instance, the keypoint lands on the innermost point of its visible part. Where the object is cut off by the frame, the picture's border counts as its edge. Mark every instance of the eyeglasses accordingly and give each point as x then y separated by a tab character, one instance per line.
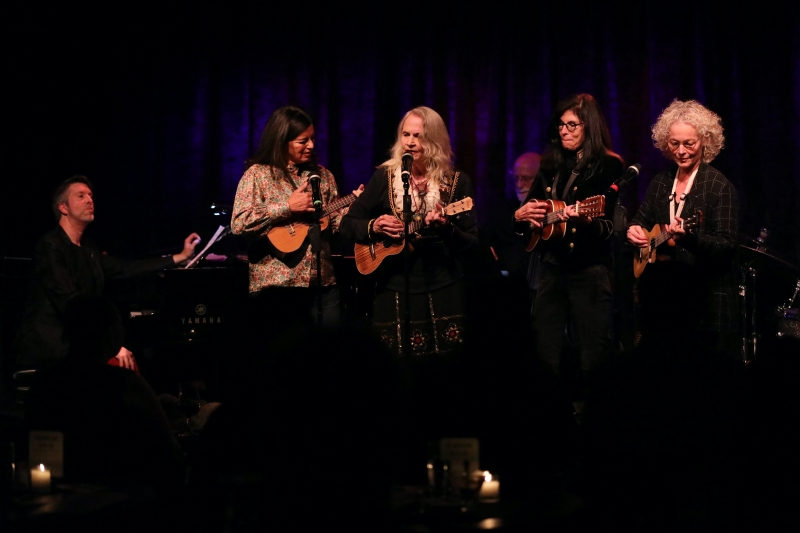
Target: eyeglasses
690	145
571	126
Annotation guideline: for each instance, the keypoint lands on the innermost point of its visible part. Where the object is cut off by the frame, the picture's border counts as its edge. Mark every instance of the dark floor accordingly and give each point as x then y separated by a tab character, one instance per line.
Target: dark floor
666	441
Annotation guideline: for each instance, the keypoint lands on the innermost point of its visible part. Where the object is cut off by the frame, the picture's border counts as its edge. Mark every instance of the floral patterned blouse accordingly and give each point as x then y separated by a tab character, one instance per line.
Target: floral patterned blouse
261	204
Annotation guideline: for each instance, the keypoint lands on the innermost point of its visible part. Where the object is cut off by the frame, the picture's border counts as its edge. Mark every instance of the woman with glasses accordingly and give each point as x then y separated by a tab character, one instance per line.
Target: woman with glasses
574	285
691	136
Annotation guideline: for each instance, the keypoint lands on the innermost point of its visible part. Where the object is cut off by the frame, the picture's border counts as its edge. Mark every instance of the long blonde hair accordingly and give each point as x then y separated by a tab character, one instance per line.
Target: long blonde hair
437	154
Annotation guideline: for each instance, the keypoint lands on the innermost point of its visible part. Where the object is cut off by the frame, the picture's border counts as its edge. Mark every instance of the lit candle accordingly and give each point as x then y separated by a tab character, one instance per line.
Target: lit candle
40	478
490	489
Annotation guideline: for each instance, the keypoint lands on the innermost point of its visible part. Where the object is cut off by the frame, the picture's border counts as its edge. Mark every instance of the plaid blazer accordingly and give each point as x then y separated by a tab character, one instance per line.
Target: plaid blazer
712	247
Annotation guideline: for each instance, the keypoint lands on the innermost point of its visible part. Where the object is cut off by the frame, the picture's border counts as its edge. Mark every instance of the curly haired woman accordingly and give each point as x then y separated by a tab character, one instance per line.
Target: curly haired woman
691	136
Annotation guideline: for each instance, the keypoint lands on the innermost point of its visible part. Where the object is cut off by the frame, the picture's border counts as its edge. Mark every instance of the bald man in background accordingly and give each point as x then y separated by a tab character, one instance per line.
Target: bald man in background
507	246
523	173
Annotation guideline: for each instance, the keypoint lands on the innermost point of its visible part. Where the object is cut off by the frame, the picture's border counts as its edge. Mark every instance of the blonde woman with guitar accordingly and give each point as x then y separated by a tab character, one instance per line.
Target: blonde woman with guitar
442	230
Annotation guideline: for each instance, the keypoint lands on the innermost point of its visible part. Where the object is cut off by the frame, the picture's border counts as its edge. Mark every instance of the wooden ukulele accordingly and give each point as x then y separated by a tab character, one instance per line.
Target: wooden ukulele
290	237
369	256
656	237
552	226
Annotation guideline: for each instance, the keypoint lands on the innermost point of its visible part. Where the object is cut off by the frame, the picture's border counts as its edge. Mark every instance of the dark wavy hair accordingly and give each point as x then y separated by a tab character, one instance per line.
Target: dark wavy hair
59	195
285	124
596	137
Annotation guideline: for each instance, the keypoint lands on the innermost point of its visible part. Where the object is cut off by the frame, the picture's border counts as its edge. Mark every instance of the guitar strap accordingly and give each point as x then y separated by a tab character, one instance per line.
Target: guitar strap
681	203
571	180
565	192
575	172
447	186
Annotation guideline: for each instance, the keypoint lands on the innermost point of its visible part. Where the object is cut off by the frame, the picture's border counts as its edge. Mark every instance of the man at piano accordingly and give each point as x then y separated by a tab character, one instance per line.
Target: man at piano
67	264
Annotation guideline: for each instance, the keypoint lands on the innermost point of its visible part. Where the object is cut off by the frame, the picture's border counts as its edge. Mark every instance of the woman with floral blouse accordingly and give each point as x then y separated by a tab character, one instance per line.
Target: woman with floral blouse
274	192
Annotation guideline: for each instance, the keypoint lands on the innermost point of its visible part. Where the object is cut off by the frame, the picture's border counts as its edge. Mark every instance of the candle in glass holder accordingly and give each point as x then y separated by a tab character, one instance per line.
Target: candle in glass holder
490	489
40	478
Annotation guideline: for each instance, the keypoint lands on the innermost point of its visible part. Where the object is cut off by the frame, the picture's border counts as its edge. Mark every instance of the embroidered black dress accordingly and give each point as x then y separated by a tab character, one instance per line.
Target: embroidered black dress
437	295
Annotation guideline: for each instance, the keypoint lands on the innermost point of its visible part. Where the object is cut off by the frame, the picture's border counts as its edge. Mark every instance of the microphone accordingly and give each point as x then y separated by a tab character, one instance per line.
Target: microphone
408	160
631	173
316	197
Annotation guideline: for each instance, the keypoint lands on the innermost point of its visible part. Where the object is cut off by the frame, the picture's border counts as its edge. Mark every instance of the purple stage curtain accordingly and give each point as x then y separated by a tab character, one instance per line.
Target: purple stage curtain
161	109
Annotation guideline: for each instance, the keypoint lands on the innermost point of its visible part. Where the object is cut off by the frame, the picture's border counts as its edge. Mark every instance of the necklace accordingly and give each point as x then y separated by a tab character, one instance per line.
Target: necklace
672	212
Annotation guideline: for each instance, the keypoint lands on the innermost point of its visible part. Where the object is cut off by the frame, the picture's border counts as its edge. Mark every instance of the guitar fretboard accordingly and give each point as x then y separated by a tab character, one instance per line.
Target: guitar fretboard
688	224
448	210
660	239
339	203
580	208
551	218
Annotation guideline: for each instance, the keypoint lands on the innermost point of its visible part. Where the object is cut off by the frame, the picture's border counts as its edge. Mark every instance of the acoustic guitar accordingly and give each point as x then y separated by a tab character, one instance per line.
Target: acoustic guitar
554	227
290	237
369	256
658	236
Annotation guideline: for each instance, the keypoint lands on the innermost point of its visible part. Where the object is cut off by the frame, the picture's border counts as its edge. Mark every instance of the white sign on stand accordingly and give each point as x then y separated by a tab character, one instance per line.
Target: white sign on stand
47	448
463	454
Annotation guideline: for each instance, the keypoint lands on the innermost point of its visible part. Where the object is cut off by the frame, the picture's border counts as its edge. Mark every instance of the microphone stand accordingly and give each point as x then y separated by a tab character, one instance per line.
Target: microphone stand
316	249
407	217
620	221
747	298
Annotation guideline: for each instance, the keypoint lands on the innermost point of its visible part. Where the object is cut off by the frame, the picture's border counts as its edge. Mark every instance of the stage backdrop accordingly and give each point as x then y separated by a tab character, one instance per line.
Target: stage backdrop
161	108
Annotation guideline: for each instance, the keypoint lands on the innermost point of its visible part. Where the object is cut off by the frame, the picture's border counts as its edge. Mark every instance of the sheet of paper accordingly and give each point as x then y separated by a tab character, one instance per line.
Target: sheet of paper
221	232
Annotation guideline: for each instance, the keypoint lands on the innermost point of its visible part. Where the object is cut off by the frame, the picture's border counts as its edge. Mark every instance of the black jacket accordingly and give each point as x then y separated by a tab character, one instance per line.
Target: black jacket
583	244
713	247
64	270
436	260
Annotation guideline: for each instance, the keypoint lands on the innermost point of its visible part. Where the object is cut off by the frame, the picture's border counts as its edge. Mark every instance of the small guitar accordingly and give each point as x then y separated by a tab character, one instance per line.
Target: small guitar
290	237
657	236
369	256
552	226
